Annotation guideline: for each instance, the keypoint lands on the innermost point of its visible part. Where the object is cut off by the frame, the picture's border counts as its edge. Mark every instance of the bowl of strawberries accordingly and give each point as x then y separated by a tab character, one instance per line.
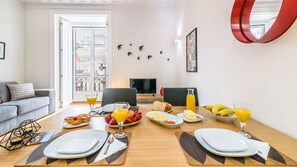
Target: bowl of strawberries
134	117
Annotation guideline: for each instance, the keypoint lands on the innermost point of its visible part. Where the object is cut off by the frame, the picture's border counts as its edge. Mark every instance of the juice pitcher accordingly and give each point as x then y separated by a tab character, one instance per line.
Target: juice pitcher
191	102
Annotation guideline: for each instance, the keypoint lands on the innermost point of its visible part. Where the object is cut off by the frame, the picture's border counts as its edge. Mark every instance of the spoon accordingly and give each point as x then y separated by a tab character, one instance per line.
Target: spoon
109	141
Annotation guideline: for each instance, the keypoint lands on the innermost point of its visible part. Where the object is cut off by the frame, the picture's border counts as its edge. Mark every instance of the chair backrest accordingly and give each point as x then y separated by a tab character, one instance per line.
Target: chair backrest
177	96
113	95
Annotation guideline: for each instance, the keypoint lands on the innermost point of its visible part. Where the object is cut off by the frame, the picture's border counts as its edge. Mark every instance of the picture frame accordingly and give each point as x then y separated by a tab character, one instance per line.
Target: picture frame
2	50
191	51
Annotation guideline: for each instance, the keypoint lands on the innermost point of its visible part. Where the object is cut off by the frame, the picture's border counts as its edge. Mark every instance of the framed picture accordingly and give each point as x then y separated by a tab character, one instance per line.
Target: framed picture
191	42
2	50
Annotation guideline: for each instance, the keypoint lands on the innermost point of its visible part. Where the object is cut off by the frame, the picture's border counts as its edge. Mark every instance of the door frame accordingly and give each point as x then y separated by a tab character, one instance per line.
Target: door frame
55	15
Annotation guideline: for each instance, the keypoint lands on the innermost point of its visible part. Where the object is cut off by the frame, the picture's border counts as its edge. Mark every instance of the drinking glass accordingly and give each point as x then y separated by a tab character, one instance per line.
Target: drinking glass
91	98
120	115
243	114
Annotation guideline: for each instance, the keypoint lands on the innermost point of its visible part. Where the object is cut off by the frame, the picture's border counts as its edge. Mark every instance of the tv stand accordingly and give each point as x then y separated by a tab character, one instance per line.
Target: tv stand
148	98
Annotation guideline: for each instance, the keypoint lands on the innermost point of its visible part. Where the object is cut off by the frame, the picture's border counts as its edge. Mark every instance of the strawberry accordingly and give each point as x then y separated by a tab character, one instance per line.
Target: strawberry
107	118
134	119
138	117
127	121
112	122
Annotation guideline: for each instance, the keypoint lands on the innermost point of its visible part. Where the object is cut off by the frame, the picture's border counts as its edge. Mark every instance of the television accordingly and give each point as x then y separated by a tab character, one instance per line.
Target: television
144	86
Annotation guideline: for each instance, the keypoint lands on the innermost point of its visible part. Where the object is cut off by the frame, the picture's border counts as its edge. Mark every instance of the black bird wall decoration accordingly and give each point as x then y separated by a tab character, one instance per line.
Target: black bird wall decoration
141	48
138	58
130	44
161	52
130	53
149	57
120	46
168	59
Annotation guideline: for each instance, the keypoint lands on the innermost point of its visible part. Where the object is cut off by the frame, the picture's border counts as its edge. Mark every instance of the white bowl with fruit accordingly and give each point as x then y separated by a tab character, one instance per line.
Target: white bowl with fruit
222	113
134	117
164	119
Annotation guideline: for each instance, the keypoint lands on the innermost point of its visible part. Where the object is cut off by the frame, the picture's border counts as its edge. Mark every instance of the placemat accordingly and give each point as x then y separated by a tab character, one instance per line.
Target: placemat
197	155
37	158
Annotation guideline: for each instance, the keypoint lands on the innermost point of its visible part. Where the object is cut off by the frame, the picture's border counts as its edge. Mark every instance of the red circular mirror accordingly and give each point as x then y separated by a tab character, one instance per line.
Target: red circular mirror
241	27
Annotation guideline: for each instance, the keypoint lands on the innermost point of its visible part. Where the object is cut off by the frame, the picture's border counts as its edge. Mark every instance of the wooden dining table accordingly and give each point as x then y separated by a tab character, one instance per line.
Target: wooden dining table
154	145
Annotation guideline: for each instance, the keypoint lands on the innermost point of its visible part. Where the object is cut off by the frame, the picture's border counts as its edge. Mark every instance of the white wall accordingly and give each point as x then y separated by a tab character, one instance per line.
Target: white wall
262	74
152	28
11	32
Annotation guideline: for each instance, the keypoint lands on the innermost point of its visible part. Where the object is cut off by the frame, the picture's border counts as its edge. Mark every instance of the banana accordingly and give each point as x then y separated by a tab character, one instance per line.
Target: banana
226	112
208	107
217	108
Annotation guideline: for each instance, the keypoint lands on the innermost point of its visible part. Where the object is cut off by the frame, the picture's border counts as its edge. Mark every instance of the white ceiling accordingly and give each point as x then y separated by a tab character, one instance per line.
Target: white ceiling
163	3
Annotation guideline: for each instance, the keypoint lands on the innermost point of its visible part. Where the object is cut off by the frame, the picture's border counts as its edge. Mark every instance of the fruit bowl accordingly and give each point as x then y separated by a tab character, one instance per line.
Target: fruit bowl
134	117
228	118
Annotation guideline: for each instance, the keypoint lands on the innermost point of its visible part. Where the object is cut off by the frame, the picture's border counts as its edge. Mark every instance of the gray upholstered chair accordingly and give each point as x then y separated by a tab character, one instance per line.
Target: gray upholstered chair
113	95
177	96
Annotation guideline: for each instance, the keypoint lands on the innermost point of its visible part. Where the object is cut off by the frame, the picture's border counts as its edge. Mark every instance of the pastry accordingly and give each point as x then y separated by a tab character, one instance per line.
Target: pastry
85	118
16	140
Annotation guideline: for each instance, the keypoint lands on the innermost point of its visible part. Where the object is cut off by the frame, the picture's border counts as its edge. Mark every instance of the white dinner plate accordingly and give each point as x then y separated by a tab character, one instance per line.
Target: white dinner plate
251	150
198	119
77	144
51	150
178	121
70	126
225	140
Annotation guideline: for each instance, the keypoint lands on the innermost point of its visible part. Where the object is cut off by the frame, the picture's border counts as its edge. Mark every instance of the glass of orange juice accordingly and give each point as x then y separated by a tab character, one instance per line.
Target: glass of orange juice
243	114
120	114
91	99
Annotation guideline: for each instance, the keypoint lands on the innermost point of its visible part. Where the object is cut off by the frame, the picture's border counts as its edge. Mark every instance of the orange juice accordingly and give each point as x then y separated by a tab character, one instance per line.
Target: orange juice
191	103
91	100
242	114
120	114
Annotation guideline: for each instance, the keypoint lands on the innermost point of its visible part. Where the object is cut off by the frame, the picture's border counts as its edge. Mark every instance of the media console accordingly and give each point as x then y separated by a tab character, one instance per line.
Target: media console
150	98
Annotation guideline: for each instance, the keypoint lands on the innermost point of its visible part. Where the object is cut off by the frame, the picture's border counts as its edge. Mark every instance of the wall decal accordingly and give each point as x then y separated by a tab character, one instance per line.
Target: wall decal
130	53
161	52
120	46
141	48
138	58
149	57
130	44
168	59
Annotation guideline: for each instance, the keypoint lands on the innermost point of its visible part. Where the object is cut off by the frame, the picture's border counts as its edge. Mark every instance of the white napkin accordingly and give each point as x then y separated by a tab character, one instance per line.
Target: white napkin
263	148
113	148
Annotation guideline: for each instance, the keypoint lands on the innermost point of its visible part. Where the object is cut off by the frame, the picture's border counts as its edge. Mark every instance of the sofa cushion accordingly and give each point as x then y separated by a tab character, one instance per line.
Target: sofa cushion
27	105
4	91
21	91
7	112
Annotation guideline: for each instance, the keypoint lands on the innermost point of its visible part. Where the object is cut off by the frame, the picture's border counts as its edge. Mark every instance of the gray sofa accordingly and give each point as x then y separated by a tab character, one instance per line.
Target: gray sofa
12	113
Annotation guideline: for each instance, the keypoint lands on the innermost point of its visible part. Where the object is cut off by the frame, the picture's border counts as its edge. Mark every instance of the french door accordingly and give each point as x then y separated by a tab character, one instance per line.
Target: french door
90	59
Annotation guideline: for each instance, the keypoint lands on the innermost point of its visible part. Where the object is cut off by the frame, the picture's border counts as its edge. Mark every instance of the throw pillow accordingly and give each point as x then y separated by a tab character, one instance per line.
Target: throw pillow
21	91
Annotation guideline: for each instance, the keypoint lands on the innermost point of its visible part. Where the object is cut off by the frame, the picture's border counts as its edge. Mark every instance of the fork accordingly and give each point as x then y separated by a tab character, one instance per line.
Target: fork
109	141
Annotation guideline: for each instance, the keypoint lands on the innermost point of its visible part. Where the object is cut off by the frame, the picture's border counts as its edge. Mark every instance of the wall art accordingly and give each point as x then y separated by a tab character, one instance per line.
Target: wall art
191	52
2	50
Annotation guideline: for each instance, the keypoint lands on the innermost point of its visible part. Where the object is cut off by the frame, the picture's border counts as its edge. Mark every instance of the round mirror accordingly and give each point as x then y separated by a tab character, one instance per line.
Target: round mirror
262	21
263	16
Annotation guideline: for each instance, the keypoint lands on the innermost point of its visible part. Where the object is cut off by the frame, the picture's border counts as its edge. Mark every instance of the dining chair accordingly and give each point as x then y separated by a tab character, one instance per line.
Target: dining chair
113	95
177	96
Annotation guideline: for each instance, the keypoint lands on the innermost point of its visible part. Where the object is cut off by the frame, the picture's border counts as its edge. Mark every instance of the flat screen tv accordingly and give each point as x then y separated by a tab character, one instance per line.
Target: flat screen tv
144	86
